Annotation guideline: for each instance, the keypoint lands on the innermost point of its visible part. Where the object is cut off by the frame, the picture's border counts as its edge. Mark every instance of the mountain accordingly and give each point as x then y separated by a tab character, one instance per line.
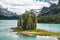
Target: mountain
35	11
6	14
50	15
52	10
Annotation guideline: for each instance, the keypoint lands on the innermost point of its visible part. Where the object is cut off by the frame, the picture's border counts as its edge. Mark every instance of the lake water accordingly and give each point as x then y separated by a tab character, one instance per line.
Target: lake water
49	27
7	34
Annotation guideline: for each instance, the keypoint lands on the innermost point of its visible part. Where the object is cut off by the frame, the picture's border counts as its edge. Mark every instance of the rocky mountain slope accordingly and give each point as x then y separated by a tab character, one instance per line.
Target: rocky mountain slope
52	10
6	14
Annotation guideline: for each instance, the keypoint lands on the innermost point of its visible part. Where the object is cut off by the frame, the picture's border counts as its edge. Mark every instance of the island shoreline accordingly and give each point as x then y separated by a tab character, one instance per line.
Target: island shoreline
35	32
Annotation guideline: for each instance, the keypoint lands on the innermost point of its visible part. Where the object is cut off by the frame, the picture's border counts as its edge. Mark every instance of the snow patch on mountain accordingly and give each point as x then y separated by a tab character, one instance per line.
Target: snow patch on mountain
19	6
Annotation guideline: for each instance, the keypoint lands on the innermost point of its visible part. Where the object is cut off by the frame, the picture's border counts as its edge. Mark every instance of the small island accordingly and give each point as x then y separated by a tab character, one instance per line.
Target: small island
36	32
27	26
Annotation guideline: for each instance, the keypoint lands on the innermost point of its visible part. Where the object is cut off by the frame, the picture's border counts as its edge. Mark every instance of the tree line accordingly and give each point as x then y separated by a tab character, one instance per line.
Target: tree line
49	19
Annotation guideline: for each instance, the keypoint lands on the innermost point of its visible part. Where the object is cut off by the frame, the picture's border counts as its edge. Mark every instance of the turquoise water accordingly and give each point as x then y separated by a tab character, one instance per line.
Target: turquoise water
7	34
4	24
49	27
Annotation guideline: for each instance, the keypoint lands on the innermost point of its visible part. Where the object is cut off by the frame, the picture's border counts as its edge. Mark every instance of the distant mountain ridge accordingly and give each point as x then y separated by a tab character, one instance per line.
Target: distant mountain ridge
6	14
50	15
52	10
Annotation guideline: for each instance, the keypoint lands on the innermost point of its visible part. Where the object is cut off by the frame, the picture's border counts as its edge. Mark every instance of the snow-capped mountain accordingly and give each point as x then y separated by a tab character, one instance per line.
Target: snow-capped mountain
19	6
6	14
11	9
52	10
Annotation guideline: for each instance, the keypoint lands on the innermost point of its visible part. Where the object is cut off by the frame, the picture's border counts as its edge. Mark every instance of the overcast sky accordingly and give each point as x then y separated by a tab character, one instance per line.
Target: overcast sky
19	6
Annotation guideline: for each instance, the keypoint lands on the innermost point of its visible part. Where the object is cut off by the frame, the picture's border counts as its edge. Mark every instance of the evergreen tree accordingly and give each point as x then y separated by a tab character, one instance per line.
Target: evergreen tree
34	19
18	24
27	21
21	22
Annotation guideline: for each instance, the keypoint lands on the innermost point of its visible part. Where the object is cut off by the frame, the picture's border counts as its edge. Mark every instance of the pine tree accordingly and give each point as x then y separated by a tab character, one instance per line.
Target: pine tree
27	21
18	23
34	19
21	22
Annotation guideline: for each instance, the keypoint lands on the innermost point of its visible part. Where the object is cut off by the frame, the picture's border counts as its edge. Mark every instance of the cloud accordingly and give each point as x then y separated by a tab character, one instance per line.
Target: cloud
19	6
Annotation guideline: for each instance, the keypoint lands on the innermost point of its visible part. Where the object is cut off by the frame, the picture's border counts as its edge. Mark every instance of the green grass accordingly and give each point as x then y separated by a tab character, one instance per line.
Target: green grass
46	33
38	32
